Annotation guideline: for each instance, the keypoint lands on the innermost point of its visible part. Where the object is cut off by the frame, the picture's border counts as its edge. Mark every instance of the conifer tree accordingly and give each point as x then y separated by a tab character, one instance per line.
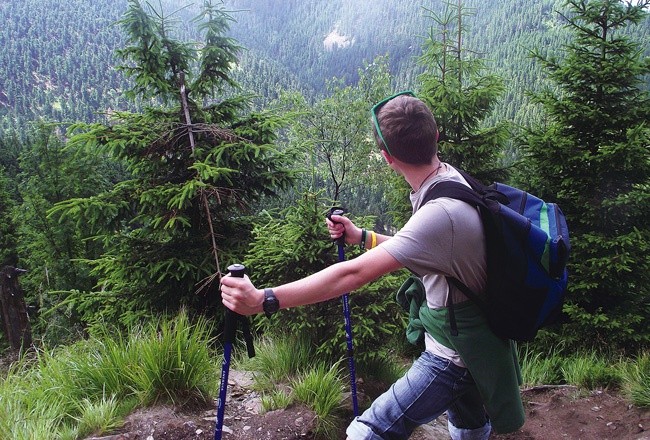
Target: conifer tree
51	249
8	255
461	95
197	160
593	158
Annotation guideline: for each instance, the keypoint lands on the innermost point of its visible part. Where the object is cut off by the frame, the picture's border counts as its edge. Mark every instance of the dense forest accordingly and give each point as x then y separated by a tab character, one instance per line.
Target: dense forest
58	59
143	148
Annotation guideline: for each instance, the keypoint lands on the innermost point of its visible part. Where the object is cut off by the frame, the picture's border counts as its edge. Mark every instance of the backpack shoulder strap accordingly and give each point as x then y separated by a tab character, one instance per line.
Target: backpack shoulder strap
454	190
459	191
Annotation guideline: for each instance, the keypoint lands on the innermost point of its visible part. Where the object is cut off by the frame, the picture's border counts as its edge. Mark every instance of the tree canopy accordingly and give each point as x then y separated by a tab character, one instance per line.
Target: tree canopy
196	162
593	157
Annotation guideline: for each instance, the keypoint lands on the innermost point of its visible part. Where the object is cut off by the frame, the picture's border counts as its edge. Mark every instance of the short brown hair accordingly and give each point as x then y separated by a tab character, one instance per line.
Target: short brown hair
410	129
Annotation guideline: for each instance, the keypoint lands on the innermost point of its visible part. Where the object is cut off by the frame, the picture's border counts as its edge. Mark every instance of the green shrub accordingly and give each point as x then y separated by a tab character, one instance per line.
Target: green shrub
294	244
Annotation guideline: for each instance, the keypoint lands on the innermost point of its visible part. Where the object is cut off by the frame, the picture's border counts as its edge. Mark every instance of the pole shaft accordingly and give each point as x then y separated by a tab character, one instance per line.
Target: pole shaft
229	329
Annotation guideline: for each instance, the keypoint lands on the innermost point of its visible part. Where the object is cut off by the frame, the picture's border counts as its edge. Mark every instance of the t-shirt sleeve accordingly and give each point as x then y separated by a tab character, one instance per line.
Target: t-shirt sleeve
426	242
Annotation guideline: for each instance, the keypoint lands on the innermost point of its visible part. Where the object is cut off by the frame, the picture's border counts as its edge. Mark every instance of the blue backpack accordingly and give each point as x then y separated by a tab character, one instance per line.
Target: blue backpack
527	245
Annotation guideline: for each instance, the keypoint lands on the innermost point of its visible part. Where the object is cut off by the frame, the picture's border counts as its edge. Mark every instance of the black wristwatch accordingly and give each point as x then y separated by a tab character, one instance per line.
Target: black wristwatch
271	303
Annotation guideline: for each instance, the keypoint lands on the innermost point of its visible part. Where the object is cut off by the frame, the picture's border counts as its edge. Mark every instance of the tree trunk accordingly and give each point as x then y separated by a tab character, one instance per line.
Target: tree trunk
14	310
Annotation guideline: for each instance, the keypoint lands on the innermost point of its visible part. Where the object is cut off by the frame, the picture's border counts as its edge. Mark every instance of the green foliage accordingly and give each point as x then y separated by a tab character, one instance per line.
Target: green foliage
194	167
8	254
333	145
461	97
94	384
68	73
321	388
295	244
592	158
50	249
636	377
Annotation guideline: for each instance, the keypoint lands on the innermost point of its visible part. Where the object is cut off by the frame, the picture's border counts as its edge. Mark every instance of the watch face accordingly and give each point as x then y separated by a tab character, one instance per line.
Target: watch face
271	303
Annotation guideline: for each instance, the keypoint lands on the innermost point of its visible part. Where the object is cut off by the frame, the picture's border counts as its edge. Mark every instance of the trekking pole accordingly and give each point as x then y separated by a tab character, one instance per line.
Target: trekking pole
340	242
229	329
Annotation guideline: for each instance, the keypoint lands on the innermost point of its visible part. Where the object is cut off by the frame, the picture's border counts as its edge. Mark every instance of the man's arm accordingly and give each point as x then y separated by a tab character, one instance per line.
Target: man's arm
239	294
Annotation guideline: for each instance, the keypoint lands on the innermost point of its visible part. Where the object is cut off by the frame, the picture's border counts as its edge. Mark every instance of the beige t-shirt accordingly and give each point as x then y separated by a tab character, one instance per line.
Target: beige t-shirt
442	238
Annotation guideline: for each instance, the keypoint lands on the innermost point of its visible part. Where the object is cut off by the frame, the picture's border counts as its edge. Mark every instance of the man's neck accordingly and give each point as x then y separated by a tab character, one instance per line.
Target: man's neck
416	175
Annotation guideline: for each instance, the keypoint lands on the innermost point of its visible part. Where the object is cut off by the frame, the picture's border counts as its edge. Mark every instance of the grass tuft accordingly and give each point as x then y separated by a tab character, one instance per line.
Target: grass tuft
62	395
321	389
174	360
277	360
636	377
538	368
98	416
276	399
590	371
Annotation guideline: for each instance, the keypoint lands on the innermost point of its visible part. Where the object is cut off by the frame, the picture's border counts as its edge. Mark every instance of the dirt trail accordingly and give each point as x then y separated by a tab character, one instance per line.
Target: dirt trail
552	413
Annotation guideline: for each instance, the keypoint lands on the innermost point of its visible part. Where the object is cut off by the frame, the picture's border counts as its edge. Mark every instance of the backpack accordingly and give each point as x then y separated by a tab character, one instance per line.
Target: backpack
527	246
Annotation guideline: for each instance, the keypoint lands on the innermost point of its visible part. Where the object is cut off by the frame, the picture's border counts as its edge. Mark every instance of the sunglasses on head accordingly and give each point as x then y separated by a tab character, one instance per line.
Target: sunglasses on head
375	110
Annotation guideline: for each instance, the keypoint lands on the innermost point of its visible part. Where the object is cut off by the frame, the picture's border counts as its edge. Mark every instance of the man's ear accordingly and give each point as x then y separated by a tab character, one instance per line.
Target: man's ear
387	157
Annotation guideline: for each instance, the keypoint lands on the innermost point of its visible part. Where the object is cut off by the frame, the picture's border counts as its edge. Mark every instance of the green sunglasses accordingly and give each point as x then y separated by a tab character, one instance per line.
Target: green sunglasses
375	110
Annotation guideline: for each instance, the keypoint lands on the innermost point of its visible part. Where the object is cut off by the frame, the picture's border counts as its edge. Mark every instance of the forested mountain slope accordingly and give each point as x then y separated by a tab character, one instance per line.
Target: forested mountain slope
57	59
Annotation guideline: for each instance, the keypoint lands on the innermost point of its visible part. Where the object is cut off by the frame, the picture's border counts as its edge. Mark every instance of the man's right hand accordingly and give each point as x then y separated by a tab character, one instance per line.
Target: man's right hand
340	225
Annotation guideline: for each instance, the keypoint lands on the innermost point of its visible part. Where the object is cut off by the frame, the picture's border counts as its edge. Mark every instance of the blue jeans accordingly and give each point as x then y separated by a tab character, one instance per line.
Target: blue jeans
432	386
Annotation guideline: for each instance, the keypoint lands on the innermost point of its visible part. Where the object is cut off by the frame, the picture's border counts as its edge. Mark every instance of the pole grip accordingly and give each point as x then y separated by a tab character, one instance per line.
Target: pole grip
237	270
335	210
231	318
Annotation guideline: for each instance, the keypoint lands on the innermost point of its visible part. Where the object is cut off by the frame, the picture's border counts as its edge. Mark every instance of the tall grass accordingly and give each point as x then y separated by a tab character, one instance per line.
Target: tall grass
91	385
539	368
277	360
385	369
321	388
287	371
175	362
636	381
591	371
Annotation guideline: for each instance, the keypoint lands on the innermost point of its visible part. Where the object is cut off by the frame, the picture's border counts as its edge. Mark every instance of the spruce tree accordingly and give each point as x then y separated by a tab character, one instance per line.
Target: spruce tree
51	249
461	95
8	254
592	157
198	159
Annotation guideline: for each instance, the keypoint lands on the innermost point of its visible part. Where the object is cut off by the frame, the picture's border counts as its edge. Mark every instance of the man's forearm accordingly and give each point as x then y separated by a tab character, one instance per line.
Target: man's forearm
337	279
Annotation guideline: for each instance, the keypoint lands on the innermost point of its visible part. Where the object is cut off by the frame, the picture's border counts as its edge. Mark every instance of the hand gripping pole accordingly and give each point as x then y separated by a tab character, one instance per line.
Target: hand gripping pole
340	242
231	319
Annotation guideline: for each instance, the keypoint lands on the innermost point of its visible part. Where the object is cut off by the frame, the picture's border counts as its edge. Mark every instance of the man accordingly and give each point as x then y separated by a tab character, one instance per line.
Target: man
463	374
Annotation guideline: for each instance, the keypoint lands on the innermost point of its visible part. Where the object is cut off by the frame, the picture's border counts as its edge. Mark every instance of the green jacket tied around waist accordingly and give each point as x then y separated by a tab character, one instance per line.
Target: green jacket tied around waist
492	362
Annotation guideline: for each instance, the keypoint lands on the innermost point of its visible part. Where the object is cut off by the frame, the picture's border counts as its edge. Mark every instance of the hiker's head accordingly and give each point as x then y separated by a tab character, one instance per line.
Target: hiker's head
405	128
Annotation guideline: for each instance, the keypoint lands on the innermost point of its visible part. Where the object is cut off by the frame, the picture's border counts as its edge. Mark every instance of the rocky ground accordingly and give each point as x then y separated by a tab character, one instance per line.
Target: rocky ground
553	413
